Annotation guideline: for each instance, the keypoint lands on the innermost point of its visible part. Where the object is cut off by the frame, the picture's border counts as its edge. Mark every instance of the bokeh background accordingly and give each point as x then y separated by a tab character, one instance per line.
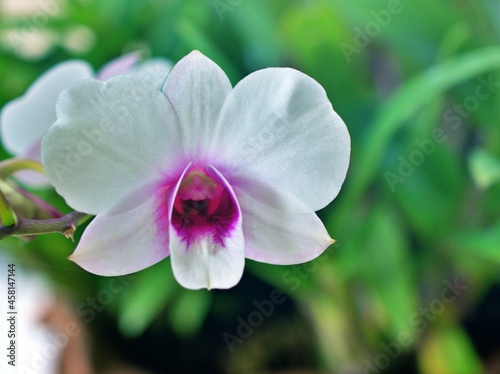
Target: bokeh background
412	284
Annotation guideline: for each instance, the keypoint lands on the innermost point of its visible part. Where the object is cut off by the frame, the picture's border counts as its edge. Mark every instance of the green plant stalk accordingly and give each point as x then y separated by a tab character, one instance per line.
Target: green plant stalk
10	166
53	212
65	225
7	215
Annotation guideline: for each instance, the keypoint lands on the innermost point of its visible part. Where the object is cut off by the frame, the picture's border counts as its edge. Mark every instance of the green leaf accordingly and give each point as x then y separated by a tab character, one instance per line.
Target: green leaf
261	43
402	105
388	271
407	30
189	311
431	196
484	167
483	243
448	350
145	297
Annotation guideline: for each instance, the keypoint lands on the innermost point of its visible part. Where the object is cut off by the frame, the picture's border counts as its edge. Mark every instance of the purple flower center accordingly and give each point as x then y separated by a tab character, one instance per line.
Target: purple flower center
203	207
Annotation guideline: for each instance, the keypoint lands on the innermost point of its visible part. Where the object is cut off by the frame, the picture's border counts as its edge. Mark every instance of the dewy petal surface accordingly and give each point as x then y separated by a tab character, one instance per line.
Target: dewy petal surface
123	243
279	133
277	237
25	119
197	88
111	138
208	260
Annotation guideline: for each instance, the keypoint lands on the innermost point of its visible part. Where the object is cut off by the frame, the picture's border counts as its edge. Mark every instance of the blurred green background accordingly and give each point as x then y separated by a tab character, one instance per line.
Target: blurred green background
412	284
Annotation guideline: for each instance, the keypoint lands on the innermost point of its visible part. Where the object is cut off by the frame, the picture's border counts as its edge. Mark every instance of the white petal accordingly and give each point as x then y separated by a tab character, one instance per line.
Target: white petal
24	120
155	71
207	264
197	88
111	138
279	237
120	65
279	133
126	242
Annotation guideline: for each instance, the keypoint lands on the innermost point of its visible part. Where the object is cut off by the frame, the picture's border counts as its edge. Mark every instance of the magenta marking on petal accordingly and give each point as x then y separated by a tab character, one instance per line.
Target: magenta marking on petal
203	206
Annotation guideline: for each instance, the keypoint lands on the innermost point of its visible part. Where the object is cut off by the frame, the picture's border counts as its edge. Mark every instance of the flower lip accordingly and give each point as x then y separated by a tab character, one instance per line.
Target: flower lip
203	207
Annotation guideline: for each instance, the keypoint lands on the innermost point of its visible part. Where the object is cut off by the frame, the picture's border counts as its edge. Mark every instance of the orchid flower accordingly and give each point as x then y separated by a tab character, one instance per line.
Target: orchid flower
199	171
24	120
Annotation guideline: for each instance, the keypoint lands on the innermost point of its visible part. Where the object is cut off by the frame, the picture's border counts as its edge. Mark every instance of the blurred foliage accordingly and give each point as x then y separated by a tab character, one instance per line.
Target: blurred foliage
421	204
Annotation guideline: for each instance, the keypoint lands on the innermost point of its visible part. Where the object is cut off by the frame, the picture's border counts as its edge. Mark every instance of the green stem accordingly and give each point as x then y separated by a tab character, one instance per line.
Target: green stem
46	207
7	215
65	225
10	166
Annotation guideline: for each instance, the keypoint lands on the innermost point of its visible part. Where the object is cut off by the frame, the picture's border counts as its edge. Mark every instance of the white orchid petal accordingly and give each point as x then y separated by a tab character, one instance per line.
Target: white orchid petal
197	88
206	263
24	120
123	243
111	138
279	237
154	70
279	133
